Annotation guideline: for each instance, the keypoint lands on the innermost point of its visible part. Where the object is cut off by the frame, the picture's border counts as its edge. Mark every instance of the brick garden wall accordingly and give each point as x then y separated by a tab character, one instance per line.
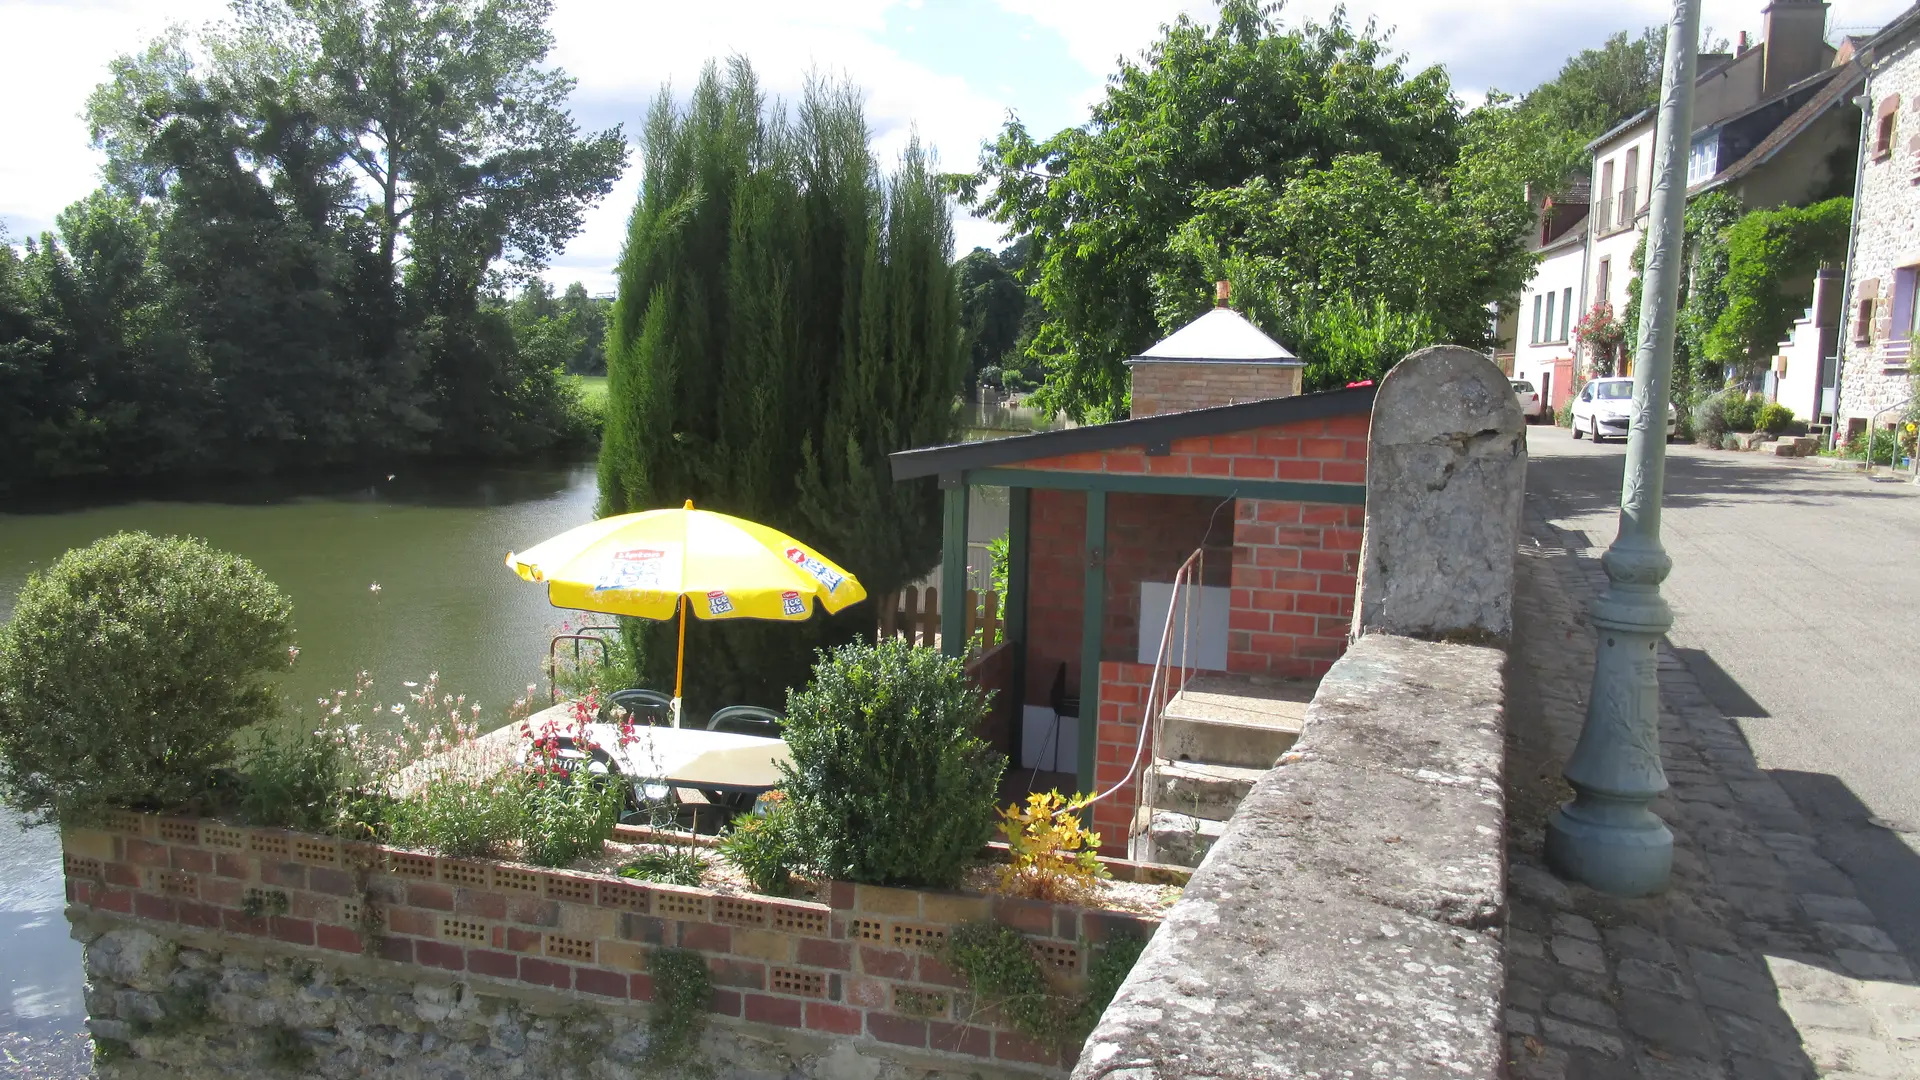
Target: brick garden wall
1056	587
861	966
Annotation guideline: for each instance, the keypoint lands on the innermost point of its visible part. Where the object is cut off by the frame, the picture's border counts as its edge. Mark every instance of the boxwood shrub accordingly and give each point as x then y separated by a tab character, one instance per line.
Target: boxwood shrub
889	783
126	669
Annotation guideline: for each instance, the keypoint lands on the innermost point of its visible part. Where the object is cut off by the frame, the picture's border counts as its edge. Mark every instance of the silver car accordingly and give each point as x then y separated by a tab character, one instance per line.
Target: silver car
1604	407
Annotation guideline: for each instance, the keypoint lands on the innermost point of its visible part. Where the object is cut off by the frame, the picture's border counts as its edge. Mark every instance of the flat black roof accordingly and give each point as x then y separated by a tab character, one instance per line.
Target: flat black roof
1150	432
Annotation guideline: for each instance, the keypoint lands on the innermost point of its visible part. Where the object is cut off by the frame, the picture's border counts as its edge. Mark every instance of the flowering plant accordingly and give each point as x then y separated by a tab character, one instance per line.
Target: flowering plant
1602	335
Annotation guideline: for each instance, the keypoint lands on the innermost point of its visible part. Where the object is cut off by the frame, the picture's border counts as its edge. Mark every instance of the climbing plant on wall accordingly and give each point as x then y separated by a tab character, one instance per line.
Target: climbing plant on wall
1771	259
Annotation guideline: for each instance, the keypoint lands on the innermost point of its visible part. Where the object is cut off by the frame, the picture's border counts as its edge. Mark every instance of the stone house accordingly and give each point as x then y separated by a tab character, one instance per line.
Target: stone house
1876	369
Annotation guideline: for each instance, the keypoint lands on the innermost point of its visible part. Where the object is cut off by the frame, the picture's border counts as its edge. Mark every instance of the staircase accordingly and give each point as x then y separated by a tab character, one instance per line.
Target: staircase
1217	737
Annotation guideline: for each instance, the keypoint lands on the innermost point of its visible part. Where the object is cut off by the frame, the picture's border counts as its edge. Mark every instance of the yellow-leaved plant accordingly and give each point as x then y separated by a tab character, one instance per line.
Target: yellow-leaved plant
1052	855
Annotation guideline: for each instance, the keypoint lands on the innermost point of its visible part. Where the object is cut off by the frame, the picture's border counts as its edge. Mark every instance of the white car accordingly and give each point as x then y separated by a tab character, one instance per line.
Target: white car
1603	407
1531	406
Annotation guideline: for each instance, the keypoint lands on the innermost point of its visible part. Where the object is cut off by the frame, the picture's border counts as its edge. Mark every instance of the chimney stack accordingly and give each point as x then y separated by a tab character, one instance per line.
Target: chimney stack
1795	37
1741	48
1221	289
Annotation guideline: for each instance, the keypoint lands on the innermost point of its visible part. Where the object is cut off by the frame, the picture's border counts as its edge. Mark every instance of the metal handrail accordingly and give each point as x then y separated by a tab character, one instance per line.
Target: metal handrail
586	633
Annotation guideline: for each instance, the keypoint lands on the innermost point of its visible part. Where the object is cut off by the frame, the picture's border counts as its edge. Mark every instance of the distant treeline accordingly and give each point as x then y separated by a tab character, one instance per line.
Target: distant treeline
307	252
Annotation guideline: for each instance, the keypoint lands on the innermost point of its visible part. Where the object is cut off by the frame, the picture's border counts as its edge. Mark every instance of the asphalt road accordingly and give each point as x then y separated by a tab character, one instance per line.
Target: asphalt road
1796	596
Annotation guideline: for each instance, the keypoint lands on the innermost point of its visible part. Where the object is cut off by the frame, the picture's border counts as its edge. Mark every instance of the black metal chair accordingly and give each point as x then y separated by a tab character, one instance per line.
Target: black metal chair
649	708
746	720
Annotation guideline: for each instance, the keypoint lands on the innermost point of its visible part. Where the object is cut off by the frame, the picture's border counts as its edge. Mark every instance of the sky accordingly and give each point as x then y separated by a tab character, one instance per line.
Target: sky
950	70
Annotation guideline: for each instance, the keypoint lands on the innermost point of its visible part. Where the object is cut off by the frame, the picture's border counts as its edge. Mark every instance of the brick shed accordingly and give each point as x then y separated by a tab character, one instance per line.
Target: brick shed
1273	490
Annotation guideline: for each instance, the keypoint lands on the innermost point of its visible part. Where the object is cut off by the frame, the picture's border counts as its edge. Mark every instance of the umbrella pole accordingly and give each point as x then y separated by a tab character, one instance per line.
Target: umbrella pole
680	663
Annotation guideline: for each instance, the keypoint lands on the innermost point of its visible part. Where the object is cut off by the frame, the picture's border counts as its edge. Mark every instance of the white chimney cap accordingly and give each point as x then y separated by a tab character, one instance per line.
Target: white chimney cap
1222	335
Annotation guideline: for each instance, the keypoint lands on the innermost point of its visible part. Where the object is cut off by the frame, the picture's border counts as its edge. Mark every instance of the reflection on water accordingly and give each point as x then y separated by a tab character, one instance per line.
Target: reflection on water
433	540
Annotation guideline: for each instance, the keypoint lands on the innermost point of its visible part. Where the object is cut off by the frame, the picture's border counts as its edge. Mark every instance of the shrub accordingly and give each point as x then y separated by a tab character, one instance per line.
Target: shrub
126	669
1773	418
568	817
669	866
1052	856
1740	408
295	779
763	845
462	816
1710	421
889	783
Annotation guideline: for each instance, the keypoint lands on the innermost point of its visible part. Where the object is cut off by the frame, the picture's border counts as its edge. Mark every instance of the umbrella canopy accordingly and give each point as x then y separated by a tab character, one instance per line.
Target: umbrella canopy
727	567
659	563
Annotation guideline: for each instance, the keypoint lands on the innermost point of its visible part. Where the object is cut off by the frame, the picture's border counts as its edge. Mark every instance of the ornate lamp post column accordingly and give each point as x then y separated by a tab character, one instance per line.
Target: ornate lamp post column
1606	837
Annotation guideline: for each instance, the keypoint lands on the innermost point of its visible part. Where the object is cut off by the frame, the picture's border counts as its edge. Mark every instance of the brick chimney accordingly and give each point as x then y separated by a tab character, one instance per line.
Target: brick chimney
1217	359
1795	37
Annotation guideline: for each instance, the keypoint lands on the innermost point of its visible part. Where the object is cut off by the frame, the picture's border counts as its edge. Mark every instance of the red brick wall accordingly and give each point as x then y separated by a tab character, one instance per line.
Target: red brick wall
1056	585
1123	698
1148	537
1295	566
839	968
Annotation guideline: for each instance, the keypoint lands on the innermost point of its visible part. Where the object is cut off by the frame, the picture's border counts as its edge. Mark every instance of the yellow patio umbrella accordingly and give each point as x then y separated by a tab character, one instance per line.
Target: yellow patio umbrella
659	563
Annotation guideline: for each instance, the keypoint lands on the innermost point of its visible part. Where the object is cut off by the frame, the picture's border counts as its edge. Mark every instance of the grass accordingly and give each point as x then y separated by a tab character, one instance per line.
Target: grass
593	391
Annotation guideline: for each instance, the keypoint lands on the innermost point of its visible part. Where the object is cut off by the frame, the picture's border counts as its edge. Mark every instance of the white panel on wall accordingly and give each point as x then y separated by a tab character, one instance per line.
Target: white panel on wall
1204	622
1049	741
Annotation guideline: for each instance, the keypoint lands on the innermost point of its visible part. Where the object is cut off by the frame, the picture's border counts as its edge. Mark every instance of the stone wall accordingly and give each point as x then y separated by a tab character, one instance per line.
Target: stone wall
1875	373
860	968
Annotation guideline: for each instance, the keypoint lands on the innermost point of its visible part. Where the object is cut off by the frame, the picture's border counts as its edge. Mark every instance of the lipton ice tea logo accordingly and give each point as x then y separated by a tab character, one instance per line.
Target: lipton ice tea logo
718	602
816	569
635	570
791	604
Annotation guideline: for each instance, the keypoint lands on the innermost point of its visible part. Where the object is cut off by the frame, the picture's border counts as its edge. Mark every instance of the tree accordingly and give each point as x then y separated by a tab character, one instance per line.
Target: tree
590	318
1186	148
1771	259
339	183
786	318
993	311
1596	89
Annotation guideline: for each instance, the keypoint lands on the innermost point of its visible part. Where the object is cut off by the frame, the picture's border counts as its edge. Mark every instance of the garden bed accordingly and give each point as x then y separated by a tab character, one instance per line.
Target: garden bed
858	960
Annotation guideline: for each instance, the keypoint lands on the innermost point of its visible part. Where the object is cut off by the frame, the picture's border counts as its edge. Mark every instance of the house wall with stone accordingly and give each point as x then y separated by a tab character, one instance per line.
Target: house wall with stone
1876	361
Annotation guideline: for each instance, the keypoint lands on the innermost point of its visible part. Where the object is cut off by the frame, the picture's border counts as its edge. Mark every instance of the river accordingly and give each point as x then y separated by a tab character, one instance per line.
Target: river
431	539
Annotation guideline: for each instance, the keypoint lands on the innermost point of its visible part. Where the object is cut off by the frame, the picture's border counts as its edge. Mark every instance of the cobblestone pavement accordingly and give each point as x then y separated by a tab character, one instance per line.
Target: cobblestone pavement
1760	962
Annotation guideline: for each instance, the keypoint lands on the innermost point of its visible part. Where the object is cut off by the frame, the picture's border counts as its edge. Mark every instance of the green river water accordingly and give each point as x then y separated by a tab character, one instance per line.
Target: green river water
432	539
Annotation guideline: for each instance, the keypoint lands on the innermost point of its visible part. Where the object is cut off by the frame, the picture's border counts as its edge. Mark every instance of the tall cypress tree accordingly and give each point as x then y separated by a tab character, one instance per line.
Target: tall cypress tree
787	317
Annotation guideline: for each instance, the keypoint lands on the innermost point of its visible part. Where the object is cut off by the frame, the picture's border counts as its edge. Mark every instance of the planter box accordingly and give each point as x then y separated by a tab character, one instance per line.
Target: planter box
862	965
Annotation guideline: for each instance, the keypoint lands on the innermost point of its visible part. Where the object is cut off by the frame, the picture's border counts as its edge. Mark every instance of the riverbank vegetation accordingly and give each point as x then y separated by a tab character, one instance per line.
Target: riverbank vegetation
304	254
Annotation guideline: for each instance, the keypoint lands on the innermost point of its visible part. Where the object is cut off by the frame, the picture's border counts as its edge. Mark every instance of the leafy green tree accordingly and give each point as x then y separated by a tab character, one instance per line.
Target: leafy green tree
1771	259
786	318
1596	89
993	311
590	319
1178	169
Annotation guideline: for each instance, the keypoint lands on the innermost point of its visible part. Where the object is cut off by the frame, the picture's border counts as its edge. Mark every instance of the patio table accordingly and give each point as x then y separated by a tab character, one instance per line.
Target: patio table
690	757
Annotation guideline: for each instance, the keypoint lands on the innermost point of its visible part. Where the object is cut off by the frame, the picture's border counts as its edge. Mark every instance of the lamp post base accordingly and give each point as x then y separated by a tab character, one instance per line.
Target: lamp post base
1616	846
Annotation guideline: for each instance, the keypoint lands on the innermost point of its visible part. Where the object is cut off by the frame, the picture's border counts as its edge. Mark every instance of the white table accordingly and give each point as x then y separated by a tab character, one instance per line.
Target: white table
687	757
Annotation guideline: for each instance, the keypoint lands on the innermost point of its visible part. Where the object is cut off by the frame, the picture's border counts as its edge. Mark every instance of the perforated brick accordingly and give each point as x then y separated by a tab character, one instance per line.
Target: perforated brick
463	930
625	896
315	850
221	836
520	881
730	909
799	920
273	844
673	904
126	821
258	902
924	938
178	883
866	930
1061	957
570	948
350	912
463	873
407	864
811	984
576	890
179	832
77	867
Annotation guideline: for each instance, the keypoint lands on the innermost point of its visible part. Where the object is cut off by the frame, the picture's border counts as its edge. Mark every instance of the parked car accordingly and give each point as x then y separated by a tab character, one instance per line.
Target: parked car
1603	407
1530	404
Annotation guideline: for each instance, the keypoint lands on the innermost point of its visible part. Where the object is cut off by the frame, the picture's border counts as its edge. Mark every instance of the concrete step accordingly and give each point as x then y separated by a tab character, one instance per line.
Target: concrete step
1234	720
1180	839
1201	790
